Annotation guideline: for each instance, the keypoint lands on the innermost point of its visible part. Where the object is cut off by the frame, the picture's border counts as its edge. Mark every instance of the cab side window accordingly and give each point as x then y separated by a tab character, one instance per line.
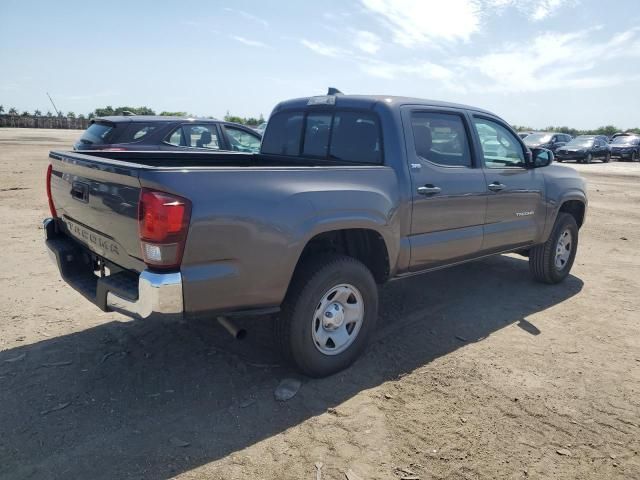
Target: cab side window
441	138
500	147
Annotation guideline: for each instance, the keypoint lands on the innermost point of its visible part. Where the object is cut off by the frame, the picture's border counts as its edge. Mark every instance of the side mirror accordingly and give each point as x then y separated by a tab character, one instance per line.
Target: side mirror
540	157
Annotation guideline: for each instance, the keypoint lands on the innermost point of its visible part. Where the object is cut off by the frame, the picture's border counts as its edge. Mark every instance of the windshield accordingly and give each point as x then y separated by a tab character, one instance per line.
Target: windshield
580	142
537	138
624	141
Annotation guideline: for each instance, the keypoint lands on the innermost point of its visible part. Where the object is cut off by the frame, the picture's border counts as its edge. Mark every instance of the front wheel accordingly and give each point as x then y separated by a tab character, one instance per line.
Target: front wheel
328	315
634	157
607	158
589	158
551	262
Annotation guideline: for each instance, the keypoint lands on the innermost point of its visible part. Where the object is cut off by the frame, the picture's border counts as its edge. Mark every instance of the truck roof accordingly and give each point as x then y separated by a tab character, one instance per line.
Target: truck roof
369	101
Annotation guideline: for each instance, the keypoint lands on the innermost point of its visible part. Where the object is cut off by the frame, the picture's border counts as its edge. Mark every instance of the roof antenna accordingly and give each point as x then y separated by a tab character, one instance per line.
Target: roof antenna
334	91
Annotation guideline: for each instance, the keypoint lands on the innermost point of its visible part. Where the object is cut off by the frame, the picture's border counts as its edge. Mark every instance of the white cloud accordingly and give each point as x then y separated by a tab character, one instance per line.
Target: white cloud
367	42
249	16
552	61
536	10
248	42
324	49
417	22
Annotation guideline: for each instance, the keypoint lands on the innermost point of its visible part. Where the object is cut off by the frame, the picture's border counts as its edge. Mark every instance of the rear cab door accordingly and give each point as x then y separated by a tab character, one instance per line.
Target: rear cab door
449	190
516	210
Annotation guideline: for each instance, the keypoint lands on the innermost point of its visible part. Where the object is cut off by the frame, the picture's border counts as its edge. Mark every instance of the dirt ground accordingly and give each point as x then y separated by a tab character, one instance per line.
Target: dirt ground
476	371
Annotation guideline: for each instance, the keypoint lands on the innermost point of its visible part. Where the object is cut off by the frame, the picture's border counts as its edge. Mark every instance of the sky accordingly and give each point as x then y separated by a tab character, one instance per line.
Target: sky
533	62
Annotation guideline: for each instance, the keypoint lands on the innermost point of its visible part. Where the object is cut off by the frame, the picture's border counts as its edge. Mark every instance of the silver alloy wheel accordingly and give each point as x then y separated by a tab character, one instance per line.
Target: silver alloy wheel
337	319
563	249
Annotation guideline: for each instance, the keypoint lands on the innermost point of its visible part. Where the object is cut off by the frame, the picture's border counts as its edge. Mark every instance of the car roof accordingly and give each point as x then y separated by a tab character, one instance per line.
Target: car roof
369	101
154	118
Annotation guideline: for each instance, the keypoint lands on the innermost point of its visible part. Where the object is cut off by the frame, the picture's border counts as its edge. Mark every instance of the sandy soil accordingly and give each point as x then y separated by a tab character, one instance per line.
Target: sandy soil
477	372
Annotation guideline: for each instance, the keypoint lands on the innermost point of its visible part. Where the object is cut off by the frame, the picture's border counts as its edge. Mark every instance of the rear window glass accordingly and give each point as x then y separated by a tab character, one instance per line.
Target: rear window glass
96	134
355	137
348	136
282	136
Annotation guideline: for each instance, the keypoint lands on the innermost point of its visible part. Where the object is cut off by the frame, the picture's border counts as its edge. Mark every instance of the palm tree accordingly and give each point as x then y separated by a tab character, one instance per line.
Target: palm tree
13	111
49	114
25	114
1	108
37	113
71	115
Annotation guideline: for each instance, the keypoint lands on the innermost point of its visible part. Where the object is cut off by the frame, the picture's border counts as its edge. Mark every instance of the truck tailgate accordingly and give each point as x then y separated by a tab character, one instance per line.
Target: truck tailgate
97	204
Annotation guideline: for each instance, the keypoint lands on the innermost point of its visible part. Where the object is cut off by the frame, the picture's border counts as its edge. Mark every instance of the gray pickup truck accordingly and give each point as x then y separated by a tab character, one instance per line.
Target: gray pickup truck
347	192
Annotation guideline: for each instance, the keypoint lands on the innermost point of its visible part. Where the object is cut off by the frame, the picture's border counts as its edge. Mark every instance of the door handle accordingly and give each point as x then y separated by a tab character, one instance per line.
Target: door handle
496	186
429	190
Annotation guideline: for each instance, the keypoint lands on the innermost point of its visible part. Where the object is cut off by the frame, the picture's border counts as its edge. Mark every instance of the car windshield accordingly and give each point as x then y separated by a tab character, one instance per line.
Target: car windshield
624	140
537	138
580	142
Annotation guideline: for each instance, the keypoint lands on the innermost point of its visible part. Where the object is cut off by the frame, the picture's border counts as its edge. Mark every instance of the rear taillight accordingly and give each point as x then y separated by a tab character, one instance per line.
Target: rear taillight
164	222
52	207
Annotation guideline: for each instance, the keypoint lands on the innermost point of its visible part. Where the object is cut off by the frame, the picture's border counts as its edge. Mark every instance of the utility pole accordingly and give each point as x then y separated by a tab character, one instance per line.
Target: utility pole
54	105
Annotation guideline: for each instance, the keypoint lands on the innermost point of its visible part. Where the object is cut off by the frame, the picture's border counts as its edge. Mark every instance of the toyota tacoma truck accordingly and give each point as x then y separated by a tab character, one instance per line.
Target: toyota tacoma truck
346	193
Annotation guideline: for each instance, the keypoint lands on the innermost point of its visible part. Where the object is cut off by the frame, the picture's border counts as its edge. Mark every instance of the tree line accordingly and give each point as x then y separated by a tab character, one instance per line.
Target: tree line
124	110
607	130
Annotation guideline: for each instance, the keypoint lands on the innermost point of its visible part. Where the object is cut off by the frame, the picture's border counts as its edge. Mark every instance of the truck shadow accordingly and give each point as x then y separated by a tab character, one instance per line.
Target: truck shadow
152	399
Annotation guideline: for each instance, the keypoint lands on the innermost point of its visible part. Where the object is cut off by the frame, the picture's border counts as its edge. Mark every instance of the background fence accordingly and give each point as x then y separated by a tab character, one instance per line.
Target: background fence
18	121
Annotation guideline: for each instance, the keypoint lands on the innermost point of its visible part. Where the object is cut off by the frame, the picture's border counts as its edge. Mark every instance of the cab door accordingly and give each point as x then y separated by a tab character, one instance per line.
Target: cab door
516	211
449	191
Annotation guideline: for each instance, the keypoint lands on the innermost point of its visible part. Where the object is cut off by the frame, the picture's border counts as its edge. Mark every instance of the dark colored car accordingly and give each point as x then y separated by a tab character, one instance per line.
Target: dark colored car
347	192
626	147
549	140
142	132
584	149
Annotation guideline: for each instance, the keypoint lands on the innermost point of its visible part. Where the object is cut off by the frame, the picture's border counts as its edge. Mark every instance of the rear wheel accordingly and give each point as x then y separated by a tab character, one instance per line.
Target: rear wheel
328	315
588	158
634	157
607	158
551	262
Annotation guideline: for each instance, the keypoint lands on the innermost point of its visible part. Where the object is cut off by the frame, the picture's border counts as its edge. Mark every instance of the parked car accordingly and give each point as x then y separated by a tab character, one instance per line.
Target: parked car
585	149
373	188
622	134
142	132
549	140
626	147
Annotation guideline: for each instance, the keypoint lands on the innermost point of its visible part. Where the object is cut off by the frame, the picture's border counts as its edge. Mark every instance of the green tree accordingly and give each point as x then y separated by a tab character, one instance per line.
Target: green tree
13	111
174	114
1	108
37	113
25	114
71	115
49	114
81	116
60	115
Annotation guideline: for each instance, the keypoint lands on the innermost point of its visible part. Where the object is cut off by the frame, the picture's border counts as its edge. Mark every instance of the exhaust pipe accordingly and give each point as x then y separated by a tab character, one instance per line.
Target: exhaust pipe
235	331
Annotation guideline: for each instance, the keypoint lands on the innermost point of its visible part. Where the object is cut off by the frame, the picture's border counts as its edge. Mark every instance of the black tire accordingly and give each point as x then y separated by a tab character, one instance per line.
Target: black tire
634	156
588	158
607	158
542	258
294	326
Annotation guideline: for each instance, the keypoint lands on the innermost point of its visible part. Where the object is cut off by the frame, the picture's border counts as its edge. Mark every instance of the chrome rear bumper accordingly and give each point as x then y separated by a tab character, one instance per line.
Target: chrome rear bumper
138	295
